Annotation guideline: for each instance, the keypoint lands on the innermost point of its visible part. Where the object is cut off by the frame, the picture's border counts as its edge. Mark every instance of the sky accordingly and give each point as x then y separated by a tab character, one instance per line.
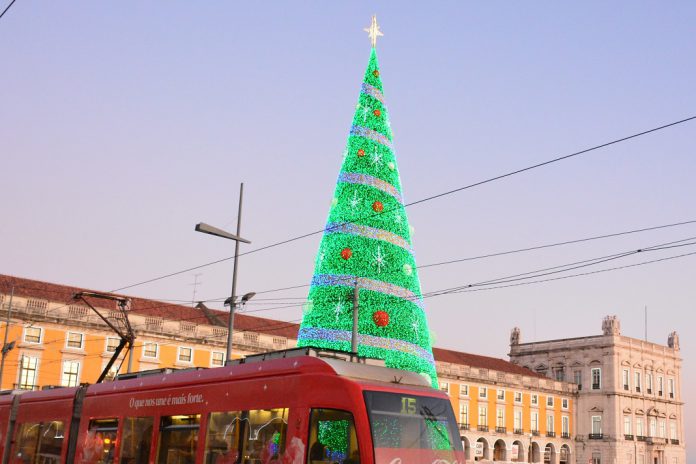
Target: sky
122	125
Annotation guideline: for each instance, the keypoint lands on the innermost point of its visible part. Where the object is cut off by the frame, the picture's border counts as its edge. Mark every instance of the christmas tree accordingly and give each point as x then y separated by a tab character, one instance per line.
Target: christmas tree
367	243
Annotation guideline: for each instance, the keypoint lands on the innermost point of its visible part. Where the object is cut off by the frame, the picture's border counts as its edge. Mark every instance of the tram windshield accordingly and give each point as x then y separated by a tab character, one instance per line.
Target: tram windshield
411	428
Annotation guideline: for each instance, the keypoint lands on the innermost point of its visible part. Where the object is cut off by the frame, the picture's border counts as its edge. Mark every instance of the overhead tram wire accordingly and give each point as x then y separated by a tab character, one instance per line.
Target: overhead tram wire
423	200
8	7
563	268
472	287
582	274
471	258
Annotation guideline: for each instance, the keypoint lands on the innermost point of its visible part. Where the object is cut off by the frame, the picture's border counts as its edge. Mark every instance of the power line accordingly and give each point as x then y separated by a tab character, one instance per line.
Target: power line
433	197
8	7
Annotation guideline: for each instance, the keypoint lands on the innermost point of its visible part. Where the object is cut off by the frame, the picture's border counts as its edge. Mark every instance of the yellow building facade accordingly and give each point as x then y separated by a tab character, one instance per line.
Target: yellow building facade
504	410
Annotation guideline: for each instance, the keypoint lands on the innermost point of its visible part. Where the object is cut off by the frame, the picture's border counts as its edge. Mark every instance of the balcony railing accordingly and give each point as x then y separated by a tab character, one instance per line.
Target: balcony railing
501	429
649	391
519	432
535	433
637	389
628	436
18	386
657	441
671	395
596	436
551	434
463	426
641	438
626	387
674	441
482	428
595	386
565	435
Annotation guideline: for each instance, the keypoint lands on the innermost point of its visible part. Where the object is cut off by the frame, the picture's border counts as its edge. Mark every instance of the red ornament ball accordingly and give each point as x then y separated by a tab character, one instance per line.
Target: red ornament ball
377	207
346	253
381	318
375	73
377	113
361	153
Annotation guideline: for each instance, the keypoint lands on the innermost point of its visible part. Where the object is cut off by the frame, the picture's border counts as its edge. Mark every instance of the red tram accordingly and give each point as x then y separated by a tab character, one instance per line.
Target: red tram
291	407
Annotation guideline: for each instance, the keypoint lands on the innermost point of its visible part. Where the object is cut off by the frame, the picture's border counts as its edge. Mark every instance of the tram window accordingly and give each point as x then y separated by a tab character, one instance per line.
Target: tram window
332	438
136	440
178	438
265	438
225	430
99	445
26	441
39	442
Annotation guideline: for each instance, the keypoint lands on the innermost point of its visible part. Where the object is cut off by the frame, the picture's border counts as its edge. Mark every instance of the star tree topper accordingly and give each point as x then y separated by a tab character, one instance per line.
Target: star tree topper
373	31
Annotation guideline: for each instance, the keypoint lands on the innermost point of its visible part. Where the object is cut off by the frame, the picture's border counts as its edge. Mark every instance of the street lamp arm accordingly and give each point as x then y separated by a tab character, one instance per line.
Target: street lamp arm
208	229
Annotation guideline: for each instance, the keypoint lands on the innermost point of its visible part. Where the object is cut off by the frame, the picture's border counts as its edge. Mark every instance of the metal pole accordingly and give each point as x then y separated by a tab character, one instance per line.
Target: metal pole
130	358
4	343
354	336
230	326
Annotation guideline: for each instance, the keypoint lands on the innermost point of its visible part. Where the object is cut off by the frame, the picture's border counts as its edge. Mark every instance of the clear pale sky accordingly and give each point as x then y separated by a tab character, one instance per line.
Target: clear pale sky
124	124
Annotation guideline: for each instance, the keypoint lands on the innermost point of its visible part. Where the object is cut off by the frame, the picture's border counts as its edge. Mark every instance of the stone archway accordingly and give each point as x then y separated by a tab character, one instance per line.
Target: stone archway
466	444
518	453
536	452
485	453
564	455
550	454
500	451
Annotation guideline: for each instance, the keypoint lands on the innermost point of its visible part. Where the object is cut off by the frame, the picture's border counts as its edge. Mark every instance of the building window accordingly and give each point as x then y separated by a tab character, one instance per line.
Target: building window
217	359
501	394
71	373
662	429
549	401
111	344
596	457
648	383
639	427
444	386
596	425
535	399
637	381
464	414
560	374
564	403
75	340
625	379
673	430
596	378
565	426
150	350
483	392
577	378
670	387
653	427
518	421
660	386
627	425
535	422
518	397
32	335
549	423
483	416
464	390
27	372
185	355
500	418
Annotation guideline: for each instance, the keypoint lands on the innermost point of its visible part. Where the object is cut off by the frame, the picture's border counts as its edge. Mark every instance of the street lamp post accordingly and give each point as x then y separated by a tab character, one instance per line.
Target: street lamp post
208	229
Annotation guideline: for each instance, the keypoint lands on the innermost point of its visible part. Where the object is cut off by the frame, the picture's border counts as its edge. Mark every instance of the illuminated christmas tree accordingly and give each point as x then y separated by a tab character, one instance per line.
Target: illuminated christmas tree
367	242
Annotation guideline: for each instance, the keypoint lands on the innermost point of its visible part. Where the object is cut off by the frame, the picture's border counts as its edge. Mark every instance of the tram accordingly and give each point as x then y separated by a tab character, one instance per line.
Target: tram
298	406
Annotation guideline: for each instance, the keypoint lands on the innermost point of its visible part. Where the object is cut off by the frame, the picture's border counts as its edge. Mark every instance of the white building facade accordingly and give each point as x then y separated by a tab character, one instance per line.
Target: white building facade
629	406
